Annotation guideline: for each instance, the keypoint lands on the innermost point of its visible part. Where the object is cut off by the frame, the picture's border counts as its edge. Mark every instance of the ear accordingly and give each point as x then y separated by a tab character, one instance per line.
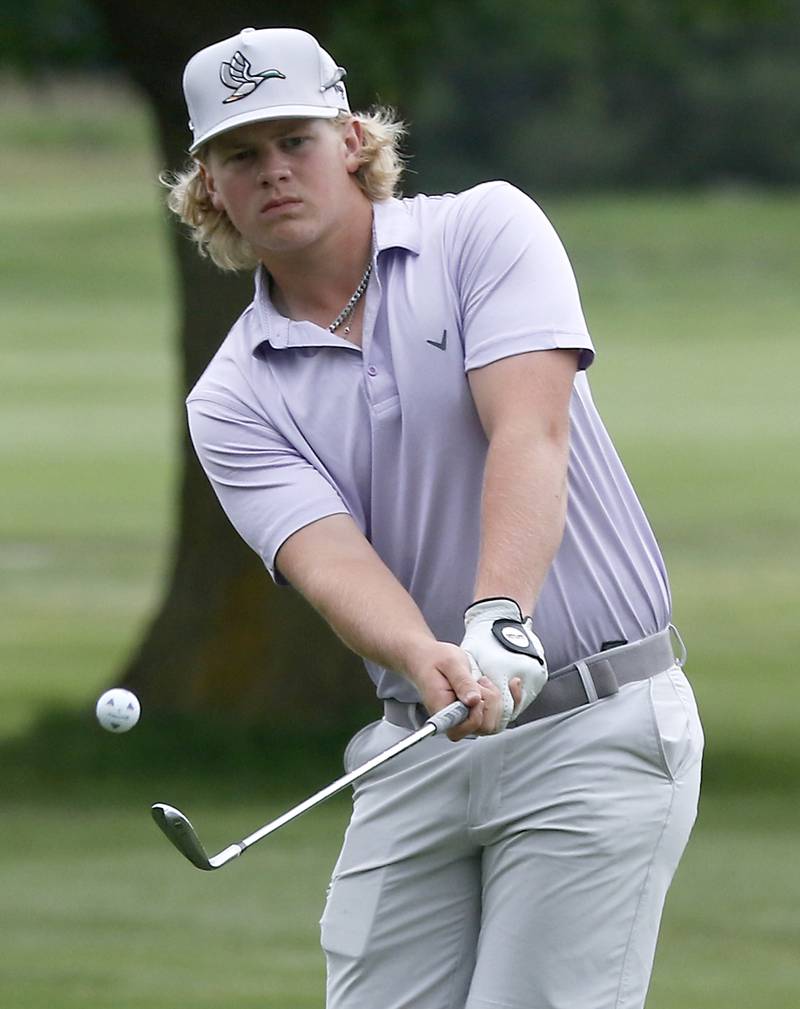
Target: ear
211	188
353	144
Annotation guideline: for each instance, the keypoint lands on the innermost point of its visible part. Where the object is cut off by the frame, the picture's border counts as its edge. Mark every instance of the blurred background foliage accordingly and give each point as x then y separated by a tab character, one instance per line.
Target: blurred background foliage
578	94
662	139
599	106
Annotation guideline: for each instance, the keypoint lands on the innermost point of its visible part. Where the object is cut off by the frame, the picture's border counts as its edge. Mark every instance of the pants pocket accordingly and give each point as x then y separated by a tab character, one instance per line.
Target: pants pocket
355	747
679	732
370	741
353	897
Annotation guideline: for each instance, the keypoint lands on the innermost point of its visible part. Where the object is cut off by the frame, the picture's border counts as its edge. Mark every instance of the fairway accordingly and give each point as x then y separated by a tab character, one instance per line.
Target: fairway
104	904
693	303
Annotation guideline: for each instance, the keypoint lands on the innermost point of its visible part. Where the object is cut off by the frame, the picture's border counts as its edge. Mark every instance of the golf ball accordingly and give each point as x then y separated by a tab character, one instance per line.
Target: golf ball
118	710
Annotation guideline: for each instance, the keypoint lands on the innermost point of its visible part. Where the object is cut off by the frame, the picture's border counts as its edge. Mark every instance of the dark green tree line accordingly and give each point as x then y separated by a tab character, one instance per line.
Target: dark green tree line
575	94
579	93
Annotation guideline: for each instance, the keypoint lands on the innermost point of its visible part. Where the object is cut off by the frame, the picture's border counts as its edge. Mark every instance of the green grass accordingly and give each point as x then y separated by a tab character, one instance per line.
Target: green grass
89	406
105	914
732	926
693	302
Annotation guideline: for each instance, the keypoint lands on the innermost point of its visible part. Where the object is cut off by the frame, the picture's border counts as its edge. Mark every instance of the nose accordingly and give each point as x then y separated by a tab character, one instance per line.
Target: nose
272	168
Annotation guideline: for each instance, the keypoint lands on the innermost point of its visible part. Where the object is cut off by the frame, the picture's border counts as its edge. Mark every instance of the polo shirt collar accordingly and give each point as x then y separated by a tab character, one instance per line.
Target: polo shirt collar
393	227
272	328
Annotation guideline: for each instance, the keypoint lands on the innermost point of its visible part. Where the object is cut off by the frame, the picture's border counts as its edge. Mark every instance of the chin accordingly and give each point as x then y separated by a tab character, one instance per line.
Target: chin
284	239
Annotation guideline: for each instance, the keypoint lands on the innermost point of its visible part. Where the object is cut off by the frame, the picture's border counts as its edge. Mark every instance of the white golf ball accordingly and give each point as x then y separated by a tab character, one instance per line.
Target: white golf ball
118	710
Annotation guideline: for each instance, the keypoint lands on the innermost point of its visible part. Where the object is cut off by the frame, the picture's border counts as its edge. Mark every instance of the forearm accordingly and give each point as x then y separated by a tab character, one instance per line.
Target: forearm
523	510
336	569
372	613
333	565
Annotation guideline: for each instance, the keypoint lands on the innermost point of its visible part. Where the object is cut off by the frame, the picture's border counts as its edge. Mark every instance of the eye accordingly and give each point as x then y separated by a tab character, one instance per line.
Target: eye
241	155
293	143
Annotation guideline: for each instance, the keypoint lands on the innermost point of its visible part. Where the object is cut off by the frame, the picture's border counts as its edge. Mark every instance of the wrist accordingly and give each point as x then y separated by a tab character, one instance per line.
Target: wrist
493	608
412	652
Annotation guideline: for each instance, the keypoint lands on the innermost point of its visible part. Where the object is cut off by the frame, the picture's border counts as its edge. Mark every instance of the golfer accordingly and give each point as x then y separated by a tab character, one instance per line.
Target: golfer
400	424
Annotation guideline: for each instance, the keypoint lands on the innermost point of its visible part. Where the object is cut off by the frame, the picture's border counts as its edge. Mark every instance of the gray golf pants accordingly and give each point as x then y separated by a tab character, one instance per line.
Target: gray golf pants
526	870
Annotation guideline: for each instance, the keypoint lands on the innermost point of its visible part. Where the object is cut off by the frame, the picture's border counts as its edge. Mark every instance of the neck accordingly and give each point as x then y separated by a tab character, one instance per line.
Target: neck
316	282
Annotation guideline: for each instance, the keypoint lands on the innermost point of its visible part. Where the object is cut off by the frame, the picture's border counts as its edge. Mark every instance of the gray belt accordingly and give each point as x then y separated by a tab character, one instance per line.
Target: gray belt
580	683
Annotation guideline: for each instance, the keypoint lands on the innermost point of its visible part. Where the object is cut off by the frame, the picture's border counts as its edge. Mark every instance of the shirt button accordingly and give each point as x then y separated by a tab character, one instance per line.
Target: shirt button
372	370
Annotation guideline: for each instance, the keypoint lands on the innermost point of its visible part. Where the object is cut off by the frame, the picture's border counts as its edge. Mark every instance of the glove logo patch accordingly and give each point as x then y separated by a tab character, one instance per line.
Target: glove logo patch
514	636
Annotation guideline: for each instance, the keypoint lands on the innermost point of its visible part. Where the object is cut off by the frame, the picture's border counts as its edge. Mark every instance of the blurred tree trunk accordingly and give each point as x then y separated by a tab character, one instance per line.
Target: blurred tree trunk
225	639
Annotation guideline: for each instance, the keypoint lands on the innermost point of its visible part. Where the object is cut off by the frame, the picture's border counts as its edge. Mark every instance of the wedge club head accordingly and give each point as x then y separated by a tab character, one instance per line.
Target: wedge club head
180	831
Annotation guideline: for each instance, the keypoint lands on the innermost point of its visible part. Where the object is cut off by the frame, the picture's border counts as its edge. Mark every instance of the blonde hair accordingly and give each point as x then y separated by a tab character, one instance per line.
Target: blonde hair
212	230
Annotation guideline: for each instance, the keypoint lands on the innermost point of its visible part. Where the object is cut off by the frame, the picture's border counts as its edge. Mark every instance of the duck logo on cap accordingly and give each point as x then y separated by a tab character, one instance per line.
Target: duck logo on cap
239	77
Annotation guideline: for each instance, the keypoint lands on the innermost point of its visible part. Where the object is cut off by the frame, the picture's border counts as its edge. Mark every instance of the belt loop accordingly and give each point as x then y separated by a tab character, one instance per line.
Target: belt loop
587	681
683	653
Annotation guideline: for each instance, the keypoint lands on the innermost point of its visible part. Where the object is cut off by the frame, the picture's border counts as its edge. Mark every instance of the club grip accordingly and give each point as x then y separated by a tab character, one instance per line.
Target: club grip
449	717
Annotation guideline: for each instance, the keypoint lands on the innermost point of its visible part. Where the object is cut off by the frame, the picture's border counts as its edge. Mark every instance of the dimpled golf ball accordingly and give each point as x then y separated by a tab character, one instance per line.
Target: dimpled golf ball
118	710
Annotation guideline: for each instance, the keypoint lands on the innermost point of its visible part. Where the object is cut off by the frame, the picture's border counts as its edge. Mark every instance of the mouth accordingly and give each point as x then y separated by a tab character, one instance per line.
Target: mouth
282	203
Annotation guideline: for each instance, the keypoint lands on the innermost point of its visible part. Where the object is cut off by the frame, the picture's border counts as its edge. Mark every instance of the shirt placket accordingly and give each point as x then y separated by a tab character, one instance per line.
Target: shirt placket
379	381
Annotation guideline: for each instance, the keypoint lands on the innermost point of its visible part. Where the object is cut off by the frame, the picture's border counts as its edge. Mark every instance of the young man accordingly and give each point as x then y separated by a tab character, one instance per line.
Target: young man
401	426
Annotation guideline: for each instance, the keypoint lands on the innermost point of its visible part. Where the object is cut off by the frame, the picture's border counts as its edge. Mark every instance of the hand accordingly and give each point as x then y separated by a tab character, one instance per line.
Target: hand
503	648
441	673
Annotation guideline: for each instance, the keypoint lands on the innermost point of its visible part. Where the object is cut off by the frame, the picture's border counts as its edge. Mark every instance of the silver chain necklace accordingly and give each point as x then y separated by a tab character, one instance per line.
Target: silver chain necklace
350	307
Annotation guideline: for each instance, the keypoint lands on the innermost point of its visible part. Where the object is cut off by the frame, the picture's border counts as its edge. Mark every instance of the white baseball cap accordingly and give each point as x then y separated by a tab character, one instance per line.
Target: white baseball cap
264	73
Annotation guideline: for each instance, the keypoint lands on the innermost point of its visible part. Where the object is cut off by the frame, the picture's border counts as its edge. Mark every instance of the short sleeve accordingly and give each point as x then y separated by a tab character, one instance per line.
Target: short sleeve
516	286
265	486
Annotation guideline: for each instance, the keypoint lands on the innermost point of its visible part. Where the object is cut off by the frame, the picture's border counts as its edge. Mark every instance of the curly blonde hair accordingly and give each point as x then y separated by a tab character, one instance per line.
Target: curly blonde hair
212	231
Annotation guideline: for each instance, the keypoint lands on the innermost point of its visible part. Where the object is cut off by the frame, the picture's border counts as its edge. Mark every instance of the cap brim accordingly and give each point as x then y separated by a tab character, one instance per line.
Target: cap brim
261	115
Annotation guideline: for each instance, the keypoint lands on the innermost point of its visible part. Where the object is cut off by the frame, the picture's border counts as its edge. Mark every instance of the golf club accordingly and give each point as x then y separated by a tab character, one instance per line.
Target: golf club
182	834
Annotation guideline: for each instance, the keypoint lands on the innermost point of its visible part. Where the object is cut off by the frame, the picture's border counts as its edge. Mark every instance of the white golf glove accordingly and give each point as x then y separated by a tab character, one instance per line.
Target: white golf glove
501	645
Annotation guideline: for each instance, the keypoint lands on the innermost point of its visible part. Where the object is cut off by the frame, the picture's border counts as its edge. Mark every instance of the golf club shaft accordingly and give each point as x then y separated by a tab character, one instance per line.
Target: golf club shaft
443	720
183	836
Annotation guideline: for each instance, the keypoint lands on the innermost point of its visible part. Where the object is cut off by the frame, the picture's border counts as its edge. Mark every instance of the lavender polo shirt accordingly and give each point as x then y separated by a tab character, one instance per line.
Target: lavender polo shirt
292	423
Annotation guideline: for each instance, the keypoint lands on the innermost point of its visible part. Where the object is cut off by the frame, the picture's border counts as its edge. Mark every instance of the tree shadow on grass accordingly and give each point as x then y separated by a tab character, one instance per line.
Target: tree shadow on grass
67	753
